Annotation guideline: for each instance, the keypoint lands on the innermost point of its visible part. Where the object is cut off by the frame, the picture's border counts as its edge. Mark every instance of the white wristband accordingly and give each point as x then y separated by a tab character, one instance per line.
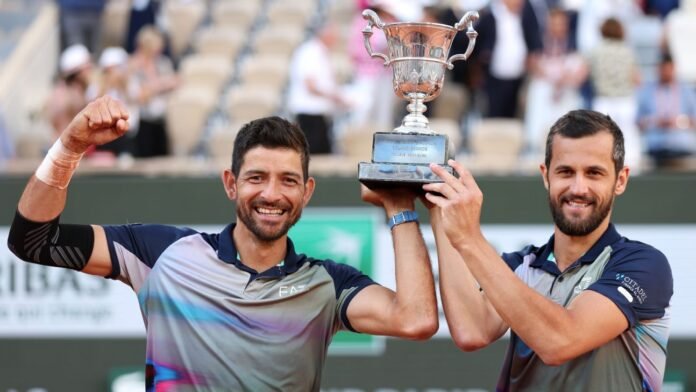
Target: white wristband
58	166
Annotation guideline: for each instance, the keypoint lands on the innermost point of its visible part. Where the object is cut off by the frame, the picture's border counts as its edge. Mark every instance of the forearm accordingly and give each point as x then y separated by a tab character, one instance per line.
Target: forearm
414	306
44	196
542	324
472	321
40	202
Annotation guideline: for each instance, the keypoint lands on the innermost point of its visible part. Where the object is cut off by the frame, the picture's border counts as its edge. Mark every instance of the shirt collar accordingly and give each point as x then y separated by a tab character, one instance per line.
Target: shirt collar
227	252
609	237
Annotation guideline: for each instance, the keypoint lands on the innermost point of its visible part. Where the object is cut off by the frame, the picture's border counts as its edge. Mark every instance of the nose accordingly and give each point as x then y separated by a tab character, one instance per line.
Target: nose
272	191
579	186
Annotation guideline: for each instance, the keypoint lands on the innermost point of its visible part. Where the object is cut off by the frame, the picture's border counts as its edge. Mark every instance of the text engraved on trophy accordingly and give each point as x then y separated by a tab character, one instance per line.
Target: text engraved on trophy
419	149
410	150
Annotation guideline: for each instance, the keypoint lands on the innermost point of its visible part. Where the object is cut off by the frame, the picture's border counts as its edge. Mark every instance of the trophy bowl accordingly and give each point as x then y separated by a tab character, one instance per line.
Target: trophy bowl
418	54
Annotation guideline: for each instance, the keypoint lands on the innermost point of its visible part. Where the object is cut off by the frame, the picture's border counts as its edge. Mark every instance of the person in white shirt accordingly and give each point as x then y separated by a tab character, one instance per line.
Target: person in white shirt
314	94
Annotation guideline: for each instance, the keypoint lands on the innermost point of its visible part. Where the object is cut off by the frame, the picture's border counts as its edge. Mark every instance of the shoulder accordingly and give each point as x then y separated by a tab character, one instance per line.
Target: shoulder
153	237
515	259
331	266
153	230
627	250
634	263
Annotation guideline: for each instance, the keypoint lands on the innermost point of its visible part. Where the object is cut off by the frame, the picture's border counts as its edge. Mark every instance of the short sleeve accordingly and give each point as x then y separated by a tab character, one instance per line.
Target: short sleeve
348	282
135	248
515	259
639	283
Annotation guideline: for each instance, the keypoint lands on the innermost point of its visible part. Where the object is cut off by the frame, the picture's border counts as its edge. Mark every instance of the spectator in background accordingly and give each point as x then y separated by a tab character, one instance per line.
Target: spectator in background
373	95
143	13
509	37
314	95
80	22
154	76
615	76
113	80
68	95
667	116
555	81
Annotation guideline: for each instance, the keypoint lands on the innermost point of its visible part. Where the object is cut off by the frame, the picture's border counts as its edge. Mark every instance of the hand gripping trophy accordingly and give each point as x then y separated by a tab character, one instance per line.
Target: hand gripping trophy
418	56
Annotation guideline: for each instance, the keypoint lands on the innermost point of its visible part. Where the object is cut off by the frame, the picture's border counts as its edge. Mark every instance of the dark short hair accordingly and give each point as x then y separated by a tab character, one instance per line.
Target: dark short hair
270	132
613	29
581	123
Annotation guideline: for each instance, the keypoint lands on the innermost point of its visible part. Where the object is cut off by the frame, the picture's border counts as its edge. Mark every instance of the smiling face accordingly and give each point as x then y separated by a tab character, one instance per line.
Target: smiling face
270	191
582	182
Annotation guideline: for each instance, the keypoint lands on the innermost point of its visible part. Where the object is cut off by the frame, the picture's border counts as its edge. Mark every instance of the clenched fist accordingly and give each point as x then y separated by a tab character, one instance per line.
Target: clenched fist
101	121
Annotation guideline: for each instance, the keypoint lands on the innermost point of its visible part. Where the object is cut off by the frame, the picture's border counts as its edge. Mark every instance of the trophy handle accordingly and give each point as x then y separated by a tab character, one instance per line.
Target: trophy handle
372	20
467	20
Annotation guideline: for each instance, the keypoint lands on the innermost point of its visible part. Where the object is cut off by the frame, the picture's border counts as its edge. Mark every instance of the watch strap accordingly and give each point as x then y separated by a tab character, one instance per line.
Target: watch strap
403	217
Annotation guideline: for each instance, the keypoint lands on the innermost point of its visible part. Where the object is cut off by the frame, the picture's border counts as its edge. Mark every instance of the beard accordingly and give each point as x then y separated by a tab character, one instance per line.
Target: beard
577	227
262	231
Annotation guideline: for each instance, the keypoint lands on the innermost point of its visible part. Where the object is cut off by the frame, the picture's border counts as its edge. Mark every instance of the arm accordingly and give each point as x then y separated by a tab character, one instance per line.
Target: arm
44	197
411	311
472	320
555	333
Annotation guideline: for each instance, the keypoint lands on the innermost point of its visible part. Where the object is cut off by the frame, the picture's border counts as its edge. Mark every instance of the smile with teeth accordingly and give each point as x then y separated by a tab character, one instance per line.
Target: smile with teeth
270	211
578	204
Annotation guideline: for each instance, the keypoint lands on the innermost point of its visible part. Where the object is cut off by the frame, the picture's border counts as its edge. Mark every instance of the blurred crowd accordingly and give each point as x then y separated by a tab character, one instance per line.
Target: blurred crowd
534	60
141	79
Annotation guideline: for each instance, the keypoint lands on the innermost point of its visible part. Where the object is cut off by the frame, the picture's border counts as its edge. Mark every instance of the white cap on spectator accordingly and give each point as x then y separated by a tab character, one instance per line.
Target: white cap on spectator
113	56
73	59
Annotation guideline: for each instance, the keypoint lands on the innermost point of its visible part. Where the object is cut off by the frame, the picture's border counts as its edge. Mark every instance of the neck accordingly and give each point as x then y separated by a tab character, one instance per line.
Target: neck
257	254
567	249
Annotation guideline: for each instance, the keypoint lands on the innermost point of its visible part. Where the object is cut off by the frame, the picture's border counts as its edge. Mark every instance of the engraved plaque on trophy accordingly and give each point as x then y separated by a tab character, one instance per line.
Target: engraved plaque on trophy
418	54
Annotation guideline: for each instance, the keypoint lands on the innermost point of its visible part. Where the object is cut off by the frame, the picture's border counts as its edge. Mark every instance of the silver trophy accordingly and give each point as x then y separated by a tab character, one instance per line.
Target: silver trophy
418	54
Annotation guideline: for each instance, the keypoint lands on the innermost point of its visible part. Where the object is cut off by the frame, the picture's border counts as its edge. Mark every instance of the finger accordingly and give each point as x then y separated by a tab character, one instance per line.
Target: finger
93	116
435	199
447	177
103	107
465	176
118	109
442	188
122	126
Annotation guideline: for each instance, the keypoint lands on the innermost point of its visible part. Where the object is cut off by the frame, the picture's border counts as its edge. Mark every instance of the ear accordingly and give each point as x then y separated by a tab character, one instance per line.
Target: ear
309	191
230	184
544	175
621	181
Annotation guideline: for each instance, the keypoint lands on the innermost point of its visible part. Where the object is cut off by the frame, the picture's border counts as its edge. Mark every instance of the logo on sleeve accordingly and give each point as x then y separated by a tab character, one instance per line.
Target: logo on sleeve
631	289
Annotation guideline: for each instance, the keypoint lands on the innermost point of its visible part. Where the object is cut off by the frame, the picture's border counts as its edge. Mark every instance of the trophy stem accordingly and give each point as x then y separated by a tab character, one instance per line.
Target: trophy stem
415	121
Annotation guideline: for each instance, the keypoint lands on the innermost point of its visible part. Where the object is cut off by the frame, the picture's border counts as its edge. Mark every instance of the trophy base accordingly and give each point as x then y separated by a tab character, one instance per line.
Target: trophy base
394	175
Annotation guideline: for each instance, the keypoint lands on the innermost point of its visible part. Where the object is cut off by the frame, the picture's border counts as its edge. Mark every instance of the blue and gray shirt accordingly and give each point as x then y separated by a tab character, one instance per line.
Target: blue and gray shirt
637	278
214	324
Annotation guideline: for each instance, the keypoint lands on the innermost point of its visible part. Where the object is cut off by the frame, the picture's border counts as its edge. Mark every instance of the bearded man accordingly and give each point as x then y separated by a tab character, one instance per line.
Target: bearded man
589	310
238	310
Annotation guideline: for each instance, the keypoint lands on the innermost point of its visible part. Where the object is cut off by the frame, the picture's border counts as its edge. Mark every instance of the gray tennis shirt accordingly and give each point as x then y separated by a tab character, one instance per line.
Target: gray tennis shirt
214	324
637	278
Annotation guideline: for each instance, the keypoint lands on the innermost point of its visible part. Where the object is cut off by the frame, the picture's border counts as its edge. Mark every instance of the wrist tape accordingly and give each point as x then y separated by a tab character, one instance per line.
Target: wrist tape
58	166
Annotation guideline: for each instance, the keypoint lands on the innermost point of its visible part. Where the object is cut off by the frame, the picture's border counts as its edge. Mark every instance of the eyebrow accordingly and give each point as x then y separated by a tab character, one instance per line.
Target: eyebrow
252	172
593	167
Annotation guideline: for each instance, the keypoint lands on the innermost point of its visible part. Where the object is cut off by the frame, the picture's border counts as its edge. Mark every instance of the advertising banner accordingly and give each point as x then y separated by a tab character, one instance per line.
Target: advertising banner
38	301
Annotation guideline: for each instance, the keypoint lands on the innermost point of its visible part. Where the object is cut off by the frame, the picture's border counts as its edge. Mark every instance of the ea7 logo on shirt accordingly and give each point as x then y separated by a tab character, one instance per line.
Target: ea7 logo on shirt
630	288
284	291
